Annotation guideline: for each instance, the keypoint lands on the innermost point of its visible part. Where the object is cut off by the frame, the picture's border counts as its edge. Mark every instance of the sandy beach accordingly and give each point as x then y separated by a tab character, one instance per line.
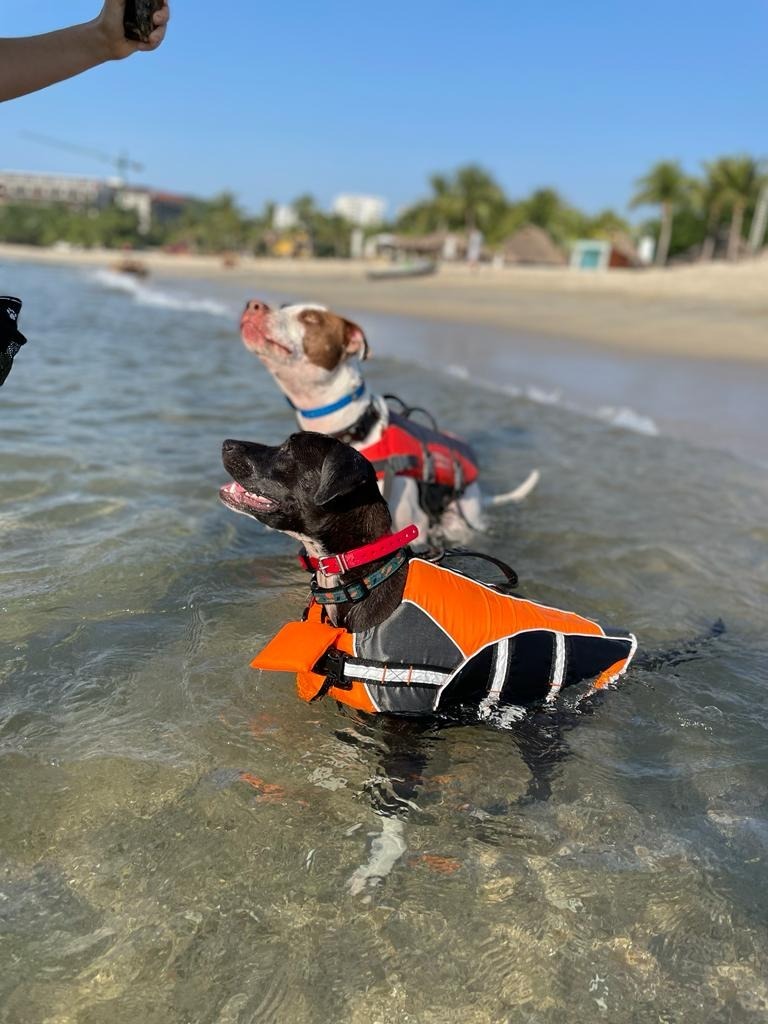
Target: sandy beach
711	311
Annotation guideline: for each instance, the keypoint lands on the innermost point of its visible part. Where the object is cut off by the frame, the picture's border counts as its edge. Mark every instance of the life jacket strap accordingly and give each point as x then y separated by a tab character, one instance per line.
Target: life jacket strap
398	465
341	670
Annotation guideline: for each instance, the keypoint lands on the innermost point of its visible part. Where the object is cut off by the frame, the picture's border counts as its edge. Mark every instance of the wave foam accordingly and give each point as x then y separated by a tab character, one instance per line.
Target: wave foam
156	298
623	417
628	419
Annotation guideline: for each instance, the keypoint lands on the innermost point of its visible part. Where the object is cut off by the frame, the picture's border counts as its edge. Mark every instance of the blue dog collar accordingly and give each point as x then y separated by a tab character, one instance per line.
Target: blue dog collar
325	410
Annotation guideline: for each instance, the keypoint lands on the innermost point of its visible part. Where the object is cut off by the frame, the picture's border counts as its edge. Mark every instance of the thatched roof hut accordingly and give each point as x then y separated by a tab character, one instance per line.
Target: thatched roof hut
531	244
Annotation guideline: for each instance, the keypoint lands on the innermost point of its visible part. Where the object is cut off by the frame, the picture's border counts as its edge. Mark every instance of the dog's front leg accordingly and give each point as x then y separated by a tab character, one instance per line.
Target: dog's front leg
387	847
407	750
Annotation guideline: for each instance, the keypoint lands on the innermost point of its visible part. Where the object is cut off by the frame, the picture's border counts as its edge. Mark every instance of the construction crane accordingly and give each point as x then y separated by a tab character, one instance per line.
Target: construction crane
122	163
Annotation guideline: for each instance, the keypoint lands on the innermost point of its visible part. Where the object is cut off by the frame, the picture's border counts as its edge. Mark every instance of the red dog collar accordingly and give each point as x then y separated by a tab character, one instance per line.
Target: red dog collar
335	565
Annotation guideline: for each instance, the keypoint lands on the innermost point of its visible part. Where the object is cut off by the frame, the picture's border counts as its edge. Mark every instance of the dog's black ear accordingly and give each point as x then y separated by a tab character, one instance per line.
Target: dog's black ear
355	341
344	470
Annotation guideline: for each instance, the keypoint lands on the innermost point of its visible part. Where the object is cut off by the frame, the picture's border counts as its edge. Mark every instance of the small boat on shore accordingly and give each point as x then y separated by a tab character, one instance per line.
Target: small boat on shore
415	268
135	267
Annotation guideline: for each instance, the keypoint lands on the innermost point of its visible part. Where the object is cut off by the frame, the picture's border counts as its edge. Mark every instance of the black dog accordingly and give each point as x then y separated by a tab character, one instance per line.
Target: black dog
325	494
387	631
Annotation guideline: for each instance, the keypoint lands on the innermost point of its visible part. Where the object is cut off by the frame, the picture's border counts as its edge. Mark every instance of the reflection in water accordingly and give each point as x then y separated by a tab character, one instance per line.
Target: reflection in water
180	835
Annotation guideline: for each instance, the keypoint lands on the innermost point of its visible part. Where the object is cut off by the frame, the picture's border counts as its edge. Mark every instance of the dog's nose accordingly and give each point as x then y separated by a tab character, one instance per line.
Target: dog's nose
255	306
229	445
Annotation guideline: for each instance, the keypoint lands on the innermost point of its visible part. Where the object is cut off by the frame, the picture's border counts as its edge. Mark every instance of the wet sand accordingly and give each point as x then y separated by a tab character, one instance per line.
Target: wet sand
714	311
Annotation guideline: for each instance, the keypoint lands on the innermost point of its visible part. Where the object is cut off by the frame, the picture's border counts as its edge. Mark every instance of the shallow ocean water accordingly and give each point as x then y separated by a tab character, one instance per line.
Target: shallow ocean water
177	831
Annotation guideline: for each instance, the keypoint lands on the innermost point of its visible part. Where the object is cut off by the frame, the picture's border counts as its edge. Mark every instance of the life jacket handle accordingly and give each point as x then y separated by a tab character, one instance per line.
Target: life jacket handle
507	571
409	410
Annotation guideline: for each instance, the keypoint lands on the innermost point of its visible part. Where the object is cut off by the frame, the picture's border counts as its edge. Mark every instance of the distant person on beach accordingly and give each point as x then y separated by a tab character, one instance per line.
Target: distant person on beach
30	63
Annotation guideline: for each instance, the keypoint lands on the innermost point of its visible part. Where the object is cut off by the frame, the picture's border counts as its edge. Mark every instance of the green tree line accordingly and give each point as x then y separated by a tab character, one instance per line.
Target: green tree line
696	214
701	216
471	198
210	226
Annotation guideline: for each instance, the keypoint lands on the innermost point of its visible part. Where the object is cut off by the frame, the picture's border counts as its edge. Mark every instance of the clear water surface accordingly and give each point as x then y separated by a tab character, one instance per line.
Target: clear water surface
177	831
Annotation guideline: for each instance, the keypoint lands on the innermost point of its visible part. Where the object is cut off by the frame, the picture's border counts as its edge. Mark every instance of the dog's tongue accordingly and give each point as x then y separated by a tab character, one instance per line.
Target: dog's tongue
233	493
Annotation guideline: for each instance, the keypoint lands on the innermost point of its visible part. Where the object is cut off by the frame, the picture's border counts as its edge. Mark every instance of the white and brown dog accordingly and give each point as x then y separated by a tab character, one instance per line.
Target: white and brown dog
428	477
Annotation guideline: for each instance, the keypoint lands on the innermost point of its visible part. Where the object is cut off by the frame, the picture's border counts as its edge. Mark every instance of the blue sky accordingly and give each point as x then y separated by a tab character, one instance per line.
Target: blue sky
274	99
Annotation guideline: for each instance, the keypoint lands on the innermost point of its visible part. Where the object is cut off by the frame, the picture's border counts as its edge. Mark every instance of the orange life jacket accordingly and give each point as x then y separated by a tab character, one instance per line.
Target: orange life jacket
411	449
475	647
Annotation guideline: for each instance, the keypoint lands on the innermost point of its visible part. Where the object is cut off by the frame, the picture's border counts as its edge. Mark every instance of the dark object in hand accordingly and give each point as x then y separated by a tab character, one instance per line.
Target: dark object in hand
138	19
11	338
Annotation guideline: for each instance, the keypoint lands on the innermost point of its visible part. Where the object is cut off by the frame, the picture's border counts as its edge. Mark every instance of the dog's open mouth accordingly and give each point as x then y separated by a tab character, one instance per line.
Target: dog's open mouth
276	348
237	498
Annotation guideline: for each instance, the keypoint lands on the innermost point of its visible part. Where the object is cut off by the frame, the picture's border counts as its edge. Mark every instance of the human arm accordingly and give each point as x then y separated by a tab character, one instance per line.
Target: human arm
34	62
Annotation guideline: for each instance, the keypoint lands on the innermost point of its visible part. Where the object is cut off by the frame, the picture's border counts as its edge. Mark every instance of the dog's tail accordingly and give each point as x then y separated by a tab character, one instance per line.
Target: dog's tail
520	493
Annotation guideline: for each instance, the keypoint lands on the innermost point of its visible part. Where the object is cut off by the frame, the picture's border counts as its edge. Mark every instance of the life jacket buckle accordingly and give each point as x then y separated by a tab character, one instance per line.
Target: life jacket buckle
331	665
428	471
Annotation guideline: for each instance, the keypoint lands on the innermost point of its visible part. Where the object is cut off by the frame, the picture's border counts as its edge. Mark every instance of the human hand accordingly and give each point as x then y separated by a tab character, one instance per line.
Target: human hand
111	31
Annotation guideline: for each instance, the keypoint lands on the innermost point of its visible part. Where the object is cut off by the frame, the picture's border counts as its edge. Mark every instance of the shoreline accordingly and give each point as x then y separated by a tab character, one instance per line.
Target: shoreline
710	311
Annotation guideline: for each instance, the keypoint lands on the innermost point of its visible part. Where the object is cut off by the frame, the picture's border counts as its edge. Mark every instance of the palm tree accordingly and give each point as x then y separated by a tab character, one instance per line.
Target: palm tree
667	186
606	224
478	196
707	199
214	225
736	182
544	206
305	208
469	198
445	210
547	209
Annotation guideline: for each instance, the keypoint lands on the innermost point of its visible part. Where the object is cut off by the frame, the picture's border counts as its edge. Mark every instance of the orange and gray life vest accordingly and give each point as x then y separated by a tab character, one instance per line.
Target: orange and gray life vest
430	456
453	643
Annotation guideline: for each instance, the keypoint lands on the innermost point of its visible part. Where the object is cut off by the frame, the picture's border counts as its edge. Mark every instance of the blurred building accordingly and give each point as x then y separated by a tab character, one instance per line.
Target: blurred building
439	245
25	187
363	211
284	217
616	252
150	205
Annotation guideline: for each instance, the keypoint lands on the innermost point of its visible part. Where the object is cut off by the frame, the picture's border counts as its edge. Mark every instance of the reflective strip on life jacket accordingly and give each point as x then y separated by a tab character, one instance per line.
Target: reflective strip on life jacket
411	449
